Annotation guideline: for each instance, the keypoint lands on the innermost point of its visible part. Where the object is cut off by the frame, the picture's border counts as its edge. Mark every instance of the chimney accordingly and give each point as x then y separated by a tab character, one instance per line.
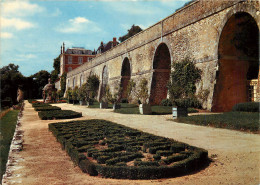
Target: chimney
114	41
63	47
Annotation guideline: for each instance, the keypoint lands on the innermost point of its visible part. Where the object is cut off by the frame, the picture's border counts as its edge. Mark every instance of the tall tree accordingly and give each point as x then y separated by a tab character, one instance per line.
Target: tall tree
133	30
11	78
55	73
40	79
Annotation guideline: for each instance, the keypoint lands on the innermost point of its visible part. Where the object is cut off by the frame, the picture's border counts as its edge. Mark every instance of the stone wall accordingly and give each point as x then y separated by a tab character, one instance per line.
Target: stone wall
192	32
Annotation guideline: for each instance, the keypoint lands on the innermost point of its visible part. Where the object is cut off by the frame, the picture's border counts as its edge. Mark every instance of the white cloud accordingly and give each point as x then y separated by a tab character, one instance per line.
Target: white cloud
16	23
20	8
78	25
6	35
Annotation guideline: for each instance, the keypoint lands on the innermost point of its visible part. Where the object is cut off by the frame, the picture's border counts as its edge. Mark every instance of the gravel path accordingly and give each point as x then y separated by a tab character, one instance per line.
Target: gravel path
235	154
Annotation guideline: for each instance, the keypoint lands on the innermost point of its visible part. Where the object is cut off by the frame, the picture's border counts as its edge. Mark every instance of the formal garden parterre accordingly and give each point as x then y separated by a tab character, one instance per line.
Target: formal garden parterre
104	148
49	112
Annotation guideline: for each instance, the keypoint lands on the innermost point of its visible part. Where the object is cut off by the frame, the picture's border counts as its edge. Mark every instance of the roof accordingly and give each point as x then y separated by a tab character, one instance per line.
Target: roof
106	46
79	51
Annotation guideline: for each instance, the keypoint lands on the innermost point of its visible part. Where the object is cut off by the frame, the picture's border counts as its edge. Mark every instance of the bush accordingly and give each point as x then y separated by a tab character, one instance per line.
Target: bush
59	114
47	108
124	100
166	102
112	161
246	107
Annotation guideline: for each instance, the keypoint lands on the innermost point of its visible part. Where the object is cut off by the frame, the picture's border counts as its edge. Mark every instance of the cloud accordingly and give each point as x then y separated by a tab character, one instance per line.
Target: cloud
16	23
6	35
78	25
20	8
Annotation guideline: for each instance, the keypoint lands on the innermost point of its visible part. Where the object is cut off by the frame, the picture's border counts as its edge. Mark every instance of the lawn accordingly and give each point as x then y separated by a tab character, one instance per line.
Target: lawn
244	121
7	128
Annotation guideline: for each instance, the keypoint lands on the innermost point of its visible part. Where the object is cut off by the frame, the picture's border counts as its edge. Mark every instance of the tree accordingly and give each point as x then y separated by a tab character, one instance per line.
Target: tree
55	73
133	30
63	83
11	79
40	79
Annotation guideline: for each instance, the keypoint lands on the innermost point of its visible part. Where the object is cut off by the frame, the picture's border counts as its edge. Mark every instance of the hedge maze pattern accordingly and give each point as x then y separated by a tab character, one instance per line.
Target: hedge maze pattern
111	150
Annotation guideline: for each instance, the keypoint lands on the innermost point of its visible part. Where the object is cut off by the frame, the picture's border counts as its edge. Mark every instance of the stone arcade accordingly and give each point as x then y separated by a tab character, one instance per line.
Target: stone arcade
221	37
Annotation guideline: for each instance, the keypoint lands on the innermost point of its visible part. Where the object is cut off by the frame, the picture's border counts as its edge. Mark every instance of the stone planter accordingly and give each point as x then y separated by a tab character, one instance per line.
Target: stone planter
116	106
145	109
179	112
103	105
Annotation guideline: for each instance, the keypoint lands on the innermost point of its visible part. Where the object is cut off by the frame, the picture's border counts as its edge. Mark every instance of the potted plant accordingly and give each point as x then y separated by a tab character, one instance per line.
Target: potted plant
81	95
92	86
69	95
74	94
182	88
144	107
114	98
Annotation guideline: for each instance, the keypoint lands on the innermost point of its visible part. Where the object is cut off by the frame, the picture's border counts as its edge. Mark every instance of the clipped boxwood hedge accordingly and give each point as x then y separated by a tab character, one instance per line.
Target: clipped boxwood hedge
58	114
47	108
246	107
100	147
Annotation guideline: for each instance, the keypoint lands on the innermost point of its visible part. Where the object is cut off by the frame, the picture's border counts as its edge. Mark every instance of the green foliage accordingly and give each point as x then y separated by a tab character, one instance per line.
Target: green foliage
246	107
69	93
74	93
10	78
59	114
63	83
166	102
40	79
133	30
229	120
143	91
86	136
7	128
183	79
92	85
47	108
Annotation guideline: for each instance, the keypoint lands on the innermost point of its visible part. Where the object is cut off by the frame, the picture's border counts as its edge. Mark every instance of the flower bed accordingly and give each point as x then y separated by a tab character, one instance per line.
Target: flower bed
111	150
59	114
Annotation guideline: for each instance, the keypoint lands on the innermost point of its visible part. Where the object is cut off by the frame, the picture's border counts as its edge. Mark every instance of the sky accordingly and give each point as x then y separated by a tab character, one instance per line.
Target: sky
32	32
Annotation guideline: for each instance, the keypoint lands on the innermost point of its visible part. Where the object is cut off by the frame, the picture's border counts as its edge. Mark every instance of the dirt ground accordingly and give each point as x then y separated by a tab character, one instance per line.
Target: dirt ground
235	154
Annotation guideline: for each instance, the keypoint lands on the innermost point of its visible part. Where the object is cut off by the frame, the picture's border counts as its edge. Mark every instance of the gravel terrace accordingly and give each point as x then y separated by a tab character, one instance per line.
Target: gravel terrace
235	154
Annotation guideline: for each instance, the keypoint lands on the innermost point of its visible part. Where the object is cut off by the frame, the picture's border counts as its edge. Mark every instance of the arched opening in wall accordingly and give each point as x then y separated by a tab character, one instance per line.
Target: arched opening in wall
125	77
104	82
238	54
161	74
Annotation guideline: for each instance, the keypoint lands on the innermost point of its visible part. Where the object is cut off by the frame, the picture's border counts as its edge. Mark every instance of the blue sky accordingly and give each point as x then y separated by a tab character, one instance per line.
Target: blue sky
33	31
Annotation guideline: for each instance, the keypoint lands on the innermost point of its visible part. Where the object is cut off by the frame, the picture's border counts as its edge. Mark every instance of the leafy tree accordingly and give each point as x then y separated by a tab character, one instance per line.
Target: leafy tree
63	83
11	79
133	30
55	73
40	79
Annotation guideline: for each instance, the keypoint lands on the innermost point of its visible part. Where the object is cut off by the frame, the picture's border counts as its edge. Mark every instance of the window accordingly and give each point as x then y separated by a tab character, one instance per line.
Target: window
69	68
70	60
80	60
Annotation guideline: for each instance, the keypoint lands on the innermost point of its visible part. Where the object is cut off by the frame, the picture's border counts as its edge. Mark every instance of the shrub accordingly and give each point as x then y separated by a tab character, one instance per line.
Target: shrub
86	136
246	107
58	114
166	102
46	108
124	100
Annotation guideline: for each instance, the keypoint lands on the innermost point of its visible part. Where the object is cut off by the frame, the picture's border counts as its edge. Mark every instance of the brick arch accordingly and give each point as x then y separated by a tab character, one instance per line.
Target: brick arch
125	76
161	74
237	63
